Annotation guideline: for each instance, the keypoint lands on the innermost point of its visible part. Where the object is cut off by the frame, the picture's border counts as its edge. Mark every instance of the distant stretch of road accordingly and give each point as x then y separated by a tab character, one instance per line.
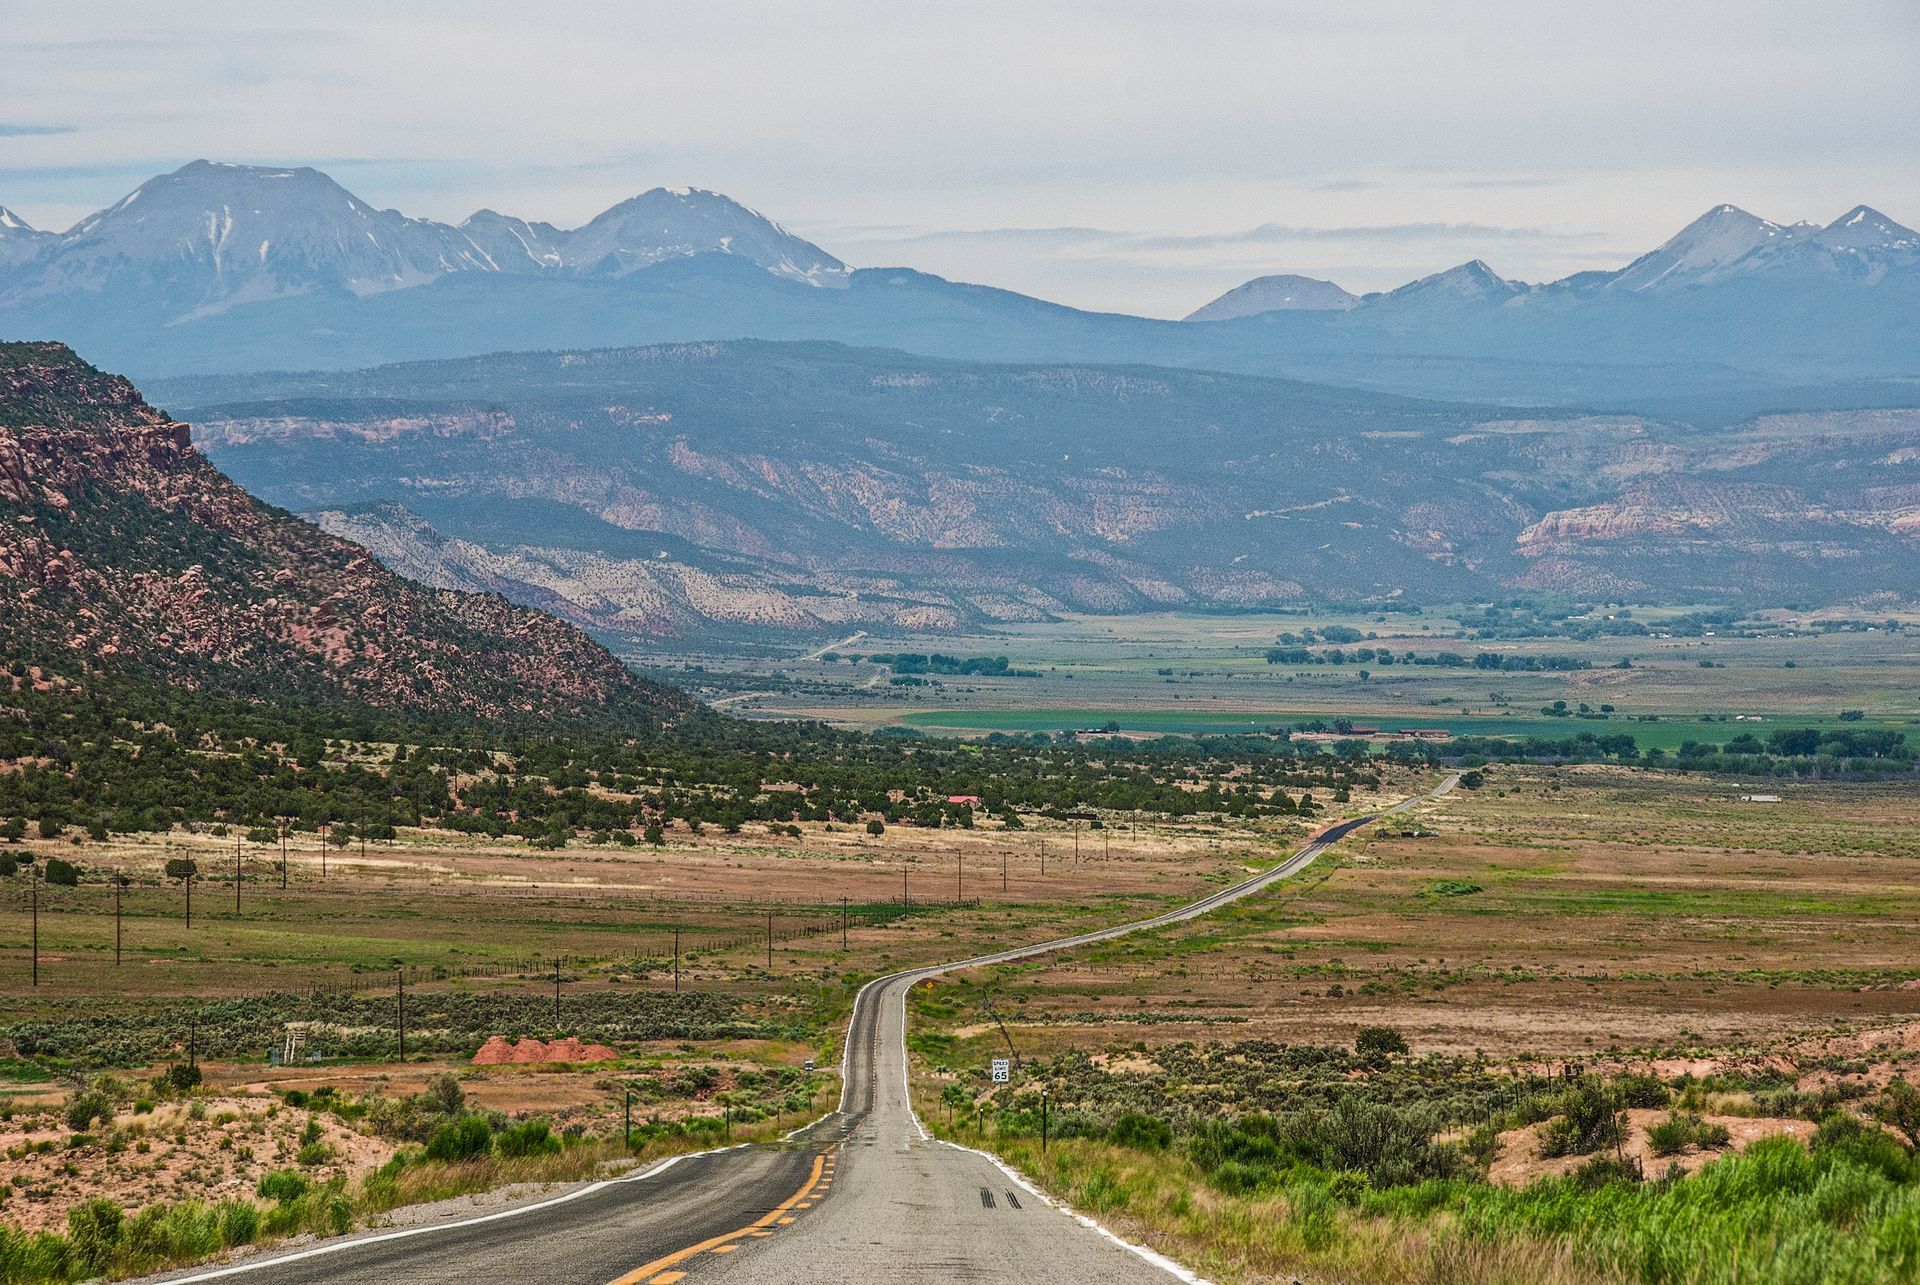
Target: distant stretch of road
863	1194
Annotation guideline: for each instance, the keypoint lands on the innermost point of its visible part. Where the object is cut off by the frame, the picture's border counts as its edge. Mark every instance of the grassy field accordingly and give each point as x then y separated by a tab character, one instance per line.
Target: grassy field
717	1047
1745	967
413	902
1566	912
1752	958
1186	673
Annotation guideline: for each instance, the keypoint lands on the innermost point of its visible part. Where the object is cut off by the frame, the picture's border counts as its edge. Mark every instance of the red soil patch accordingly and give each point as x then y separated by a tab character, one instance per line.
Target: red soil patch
499	1050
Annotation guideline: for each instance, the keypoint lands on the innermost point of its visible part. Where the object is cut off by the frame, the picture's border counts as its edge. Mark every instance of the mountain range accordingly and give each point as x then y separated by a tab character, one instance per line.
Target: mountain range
211	237
228	268
727	488
123	551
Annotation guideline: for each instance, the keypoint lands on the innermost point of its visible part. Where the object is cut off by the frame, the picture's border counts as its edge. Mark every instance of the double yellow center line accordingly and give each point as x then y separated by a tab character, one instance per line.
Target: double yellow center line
660	1270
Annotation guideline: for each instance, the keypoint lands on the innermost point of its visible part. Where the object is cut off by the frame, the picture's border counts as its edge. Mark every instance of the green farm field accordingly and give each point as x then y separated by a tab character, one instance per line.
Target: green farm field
1198	674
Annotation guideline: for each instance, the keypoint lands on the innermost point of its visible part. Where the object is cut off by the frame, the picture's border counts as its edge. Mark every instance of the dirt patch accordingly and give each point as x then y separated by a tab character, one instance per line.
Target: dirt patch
217	1148
500	1051
1519	1162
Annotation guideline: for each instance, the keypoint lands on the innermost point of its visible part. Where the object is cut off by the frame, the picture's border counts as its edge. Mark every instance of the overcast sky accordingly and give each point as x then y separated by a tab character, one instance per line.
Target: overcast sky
1138	155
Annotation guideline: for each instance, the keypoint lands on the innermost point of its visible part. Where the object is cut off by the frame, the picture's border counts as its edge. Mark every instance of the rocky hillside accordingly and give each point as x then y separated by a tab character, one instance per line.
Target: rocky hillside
122	547
813	488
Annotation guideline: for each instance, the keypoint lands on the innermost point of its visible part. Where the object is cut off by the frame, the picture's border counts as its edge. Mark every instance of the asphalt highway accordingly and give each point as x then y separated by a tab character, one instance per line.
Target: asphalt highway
863	1194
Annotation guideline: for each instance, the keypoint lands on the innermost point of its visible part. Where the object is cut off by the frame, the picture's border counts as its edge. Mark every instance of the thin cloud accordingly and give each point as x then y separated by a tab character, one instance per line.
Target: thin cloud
1280	233
1266	234
10	129
1508	184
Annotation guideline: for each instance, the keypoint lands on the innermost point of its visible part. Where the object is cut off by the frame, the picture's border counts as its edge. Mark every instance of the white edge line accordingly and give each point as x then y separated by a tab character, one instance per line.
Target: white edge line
1284	870
1154	1257
912	978
340	1246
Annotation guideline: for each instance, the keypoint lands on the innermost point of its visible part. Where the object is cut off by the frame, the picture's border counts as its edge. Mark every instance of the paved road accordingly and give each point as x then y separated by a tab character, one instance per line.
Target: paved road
861	1195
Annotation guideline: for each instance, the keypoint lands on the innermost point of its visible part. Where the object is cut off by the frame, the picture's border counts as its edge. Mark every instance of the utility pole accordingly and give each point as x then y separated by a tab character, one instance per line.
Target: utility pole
236	871
627	1133
400	997
1106	845
1003	872
843	923
769	941
903	886
1043	1122
33	878
188	881
959	879
326	841
283	856
676	958
556	994
1076	842
119	882
1043	858
363	833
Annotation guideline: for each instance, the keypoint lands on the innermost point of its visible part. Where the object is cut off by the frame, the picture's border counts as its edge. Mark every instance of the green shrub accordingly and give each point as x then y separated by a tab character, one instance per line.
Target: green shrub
461	1140
1392	1146
93	1234
444	1094
1587	1121
338	1214
1602	1171
162	1234
528	1138
1843	1138
1645	1091
1348	1188
1239	1178
1141	1131
1899	1107
85	1108
239	1222
31	1256
283	1185
1378	1043
1681	1130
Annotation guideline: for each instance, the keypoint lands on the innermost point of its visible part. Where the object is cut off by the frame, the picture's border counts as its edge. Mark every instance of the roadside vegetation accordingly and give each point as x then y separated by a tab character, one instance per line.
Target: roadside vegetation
1637	883
280	1166
1319	1160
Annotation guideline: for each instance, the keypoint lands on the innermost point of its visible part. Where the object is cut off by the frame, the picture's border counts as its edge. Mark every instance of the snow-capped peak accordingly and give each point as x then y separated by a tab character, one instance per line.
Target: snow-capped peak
1865	228
20	240
1472	279
1281	293
1707	249
671	223
213	234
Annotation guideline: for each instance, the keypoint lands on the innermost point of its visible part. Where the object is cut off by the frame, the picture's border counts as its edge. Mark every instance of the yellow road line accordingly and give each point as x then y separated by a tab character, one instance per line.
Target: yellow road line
648	1271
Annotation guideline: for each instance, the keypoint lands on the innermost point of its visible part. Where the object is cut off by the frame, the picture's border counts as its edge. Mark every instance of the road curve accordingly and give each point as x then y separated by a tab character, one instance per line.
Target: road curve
863	1194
